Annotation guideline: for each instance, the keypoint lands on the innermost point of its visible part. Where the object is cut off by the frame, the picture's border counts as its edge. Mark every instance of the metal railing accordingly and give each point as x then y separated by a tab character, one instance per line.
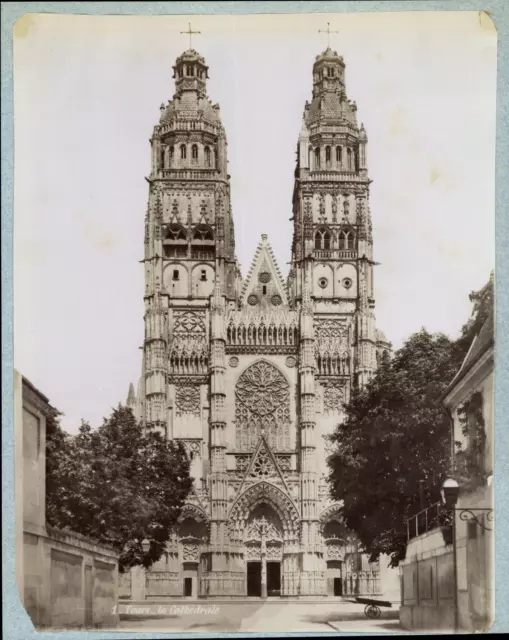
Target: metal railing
426	520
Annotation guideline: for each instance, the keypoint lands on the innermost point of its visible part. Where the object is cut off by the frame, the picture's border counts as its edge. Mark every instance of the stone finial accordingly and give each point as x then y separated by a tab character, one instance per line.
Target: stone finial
131	396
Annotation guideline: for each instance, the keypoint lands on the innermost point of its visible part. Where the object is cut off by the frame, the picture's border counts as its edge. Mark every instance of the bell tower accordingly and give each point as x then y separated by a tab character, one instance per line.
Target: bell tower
332	238
189	250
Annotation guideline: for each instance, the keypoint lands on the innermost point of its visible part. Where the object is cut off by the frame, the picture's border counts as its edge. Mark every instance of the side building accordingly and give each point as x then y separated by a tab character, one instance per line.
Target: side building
65	580
448	584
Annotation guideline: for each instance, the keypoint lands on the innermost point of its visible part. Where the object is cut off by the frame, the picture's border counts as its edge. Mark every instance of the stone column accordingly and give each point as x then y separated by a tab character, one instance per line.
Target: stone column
263	553
219	573
310	585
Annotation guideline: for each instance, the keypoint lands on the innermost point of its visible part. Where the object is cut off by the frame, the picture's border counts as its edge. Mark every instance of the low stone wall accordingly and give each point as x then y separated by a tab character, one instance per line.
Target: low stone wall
427	582
70	581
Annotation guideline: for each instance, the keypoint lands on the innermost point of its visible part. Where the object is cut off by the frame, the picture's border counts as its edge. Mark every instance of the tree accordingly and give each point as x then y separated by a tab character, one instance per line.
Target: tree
394	445
118	484
393	449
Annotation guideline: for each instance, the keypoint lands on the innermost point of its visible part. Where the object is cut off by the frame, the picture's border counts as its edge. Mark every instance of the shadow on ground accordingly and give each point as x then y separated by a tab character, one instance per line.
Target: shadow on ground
331	616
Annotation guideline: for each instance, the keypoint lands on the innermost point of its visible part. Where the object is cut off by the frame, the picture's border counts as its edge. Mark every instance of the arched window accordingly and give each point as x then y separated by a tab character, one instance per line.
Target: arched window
194	152
322	239
310	156
338	155
327	156
346	239
203	232
192	70
161	158
176	232
207	157
317	158
349	157
172	154
182	151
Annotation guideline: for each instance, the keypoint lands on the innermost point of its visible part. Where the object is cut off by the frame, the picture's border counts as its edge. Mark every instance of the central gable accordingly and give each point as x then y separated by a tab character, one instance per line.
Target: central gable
264	285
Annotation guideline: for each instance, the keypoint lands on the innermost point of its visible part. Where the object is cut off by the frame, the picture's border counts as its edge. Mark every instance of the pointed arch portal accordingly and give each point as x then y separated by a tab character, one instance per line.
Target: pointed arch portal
265	524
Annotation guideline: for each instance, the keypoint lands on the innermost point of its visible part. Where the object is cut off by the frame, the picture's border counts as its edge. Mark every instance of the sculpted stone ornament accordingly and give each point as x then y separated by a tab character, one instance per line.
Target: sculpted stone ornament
291	361
187	400
346	208
308	215
334	208
189	323
321	212
333	397
233	362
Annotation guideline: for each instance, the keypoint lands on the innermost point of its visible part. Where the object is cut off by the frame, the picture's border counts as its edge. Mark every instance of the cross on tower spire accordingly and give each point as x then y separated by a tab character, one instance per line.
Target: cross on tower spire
190	33
328	32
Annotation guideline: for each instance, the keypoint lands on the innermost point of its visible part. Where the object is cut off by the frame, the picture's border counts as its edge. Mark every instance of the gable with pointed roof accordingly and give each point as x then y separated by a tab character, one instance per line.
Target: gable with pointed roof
263	465
264	283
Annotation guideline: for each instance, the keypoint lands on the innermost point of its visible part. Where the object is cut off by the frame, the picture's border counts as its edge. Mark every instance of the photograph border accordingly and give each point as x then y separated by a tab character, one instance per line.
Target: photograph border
17	625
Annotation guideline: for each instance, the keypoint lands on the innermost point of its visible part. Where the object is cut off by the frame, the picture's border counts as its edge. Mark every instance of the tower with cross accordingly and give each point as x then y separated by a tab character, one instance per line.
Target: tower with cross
328	31
190	33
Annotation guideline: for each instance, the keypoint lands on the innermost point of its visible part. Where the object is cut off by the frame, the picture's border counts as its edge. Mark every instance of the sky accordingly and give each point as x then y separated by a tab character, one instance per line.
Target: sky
87	91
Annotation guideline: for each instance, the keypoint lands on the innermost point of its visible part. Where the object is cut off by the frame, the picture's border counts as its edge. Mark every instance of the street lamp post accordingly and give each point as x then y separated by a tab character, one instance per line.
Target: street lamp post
450	493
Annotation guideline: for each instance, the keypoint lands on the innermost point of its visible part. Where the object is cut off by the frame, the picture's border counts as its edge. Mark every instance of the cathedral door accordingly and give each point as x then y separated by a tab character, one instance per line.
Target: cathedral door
254	579
273	579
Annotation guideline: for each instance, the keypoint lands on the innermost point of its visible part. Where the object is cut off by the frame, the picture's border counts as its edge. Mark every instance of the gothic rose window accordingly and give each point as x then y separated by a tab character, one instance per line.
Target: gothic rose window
262	403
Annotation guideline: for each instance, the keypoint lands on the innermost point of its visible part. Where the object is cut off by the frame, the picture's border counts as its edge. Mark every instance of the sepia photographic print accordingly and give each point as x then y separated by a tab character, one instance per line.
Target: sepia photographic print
254	283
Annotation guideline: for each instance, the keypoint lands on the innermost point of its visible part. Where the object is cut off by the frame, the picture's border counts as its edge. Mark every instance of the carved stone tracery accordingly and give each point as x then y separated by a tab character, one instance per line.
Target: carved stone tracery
262	404
188	353
187	400
332	349
333	397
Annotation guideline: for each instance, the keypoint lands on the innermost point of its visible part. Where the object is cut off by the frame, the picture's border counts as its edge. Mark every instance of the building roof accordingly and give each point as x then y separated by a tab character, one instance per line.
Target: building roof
34	389
483	341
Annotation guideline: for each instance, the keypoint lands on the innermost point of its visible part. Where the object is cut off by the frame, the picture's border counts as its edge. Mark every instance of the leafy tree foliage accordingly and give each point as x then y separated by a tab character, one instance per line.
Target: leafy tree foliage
118	484
393	448
394	444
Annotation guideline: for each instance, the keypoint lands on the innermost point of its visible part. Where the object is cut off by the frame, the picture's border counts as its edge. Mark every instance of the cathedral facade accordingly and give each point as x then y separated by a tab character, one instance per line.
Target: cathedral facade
252	373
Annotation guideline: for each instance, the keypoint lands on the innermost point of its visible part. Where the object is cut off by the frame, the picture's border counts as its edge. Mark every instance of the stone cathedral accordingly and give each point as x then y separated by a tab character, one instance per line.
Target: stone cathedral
251	373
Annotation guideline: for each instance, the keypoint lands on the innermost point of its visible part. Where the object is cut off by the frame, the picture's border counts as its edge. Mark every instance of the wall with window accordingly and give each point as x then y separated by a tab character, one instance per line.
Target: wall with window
323	281
346	281
185	155
202	280
333	157
176	280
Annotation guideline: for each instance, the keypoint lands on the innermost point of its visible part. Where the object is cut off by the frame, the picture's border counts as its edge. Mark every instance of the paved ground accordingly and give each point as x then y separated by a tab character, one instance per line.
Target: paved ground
254	616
